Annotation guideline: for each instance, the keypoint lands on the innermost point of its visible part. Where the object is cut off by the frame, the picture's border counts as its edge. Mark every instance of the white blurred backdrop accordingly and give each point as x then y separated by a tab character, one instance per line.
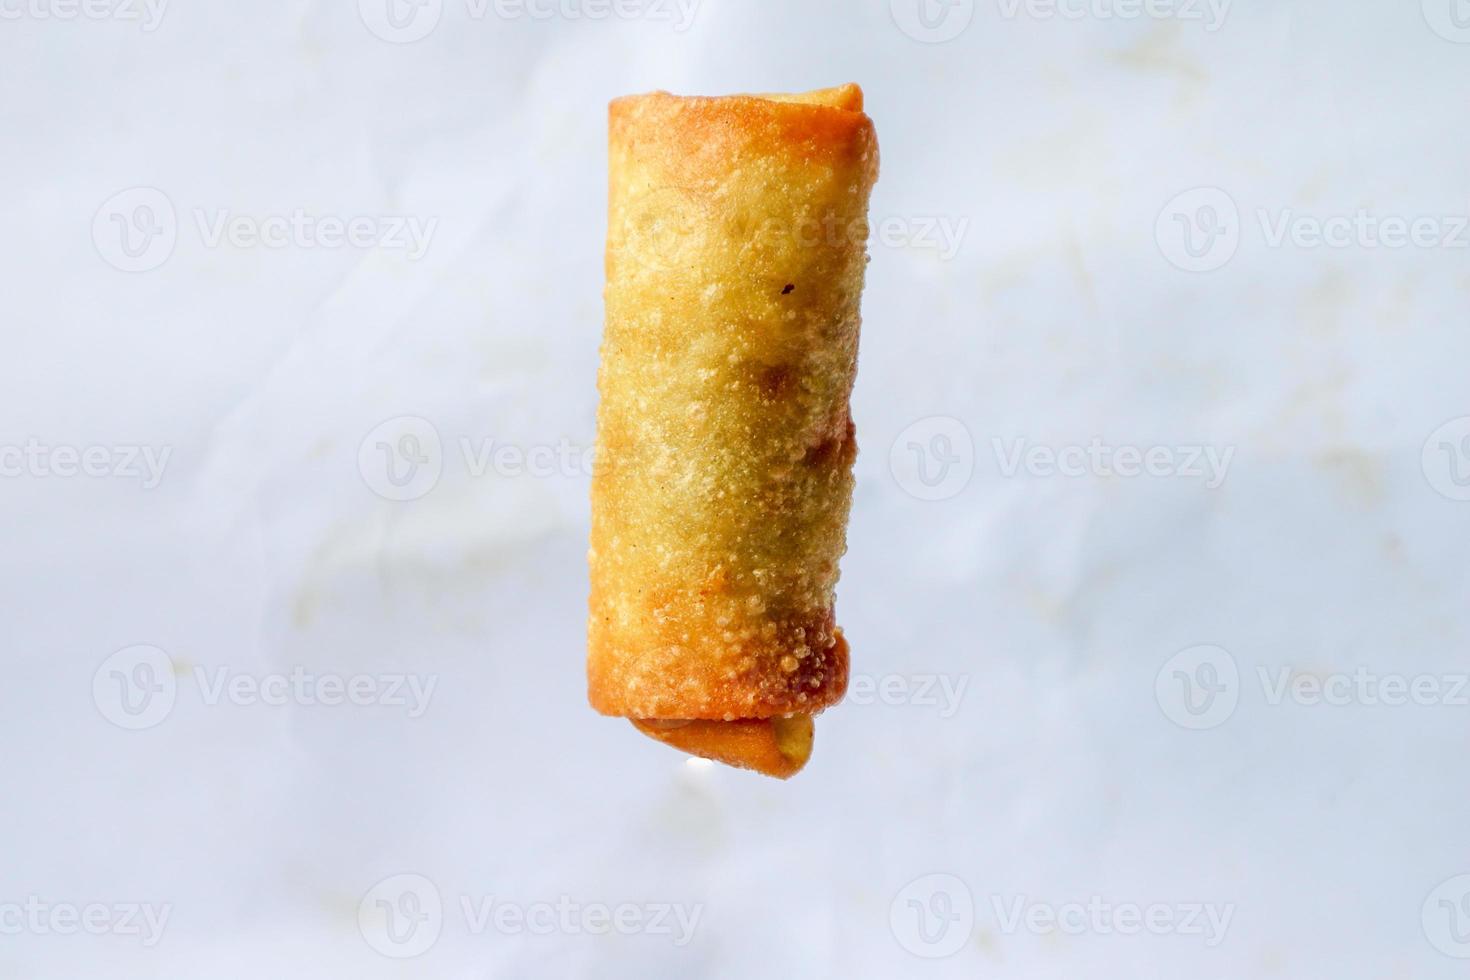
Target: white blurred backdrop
1156	585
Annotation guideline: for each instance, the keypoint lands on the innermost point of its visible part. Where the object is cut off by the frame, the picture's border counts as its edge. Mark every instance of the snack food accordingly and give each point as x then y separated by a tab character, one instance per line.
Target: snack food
735	260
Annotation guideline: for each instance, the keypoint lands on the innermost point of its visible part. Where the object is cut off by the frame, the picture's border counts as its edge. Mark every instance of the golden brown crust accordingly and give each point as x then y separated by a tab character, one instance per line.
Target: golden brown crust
848	97
735	259
777	747
695	140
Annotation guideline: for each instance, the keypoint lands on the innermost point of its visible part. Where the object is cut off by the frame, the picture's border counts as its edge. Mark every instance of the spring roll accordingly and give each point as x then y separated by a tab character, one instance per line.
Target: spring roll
737	244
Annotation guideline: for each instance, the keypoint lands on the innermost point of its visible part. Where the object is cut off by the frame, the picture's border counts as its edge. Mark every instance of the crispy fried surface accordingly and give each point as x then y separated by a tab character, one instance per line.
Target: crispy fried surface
735	259
776	747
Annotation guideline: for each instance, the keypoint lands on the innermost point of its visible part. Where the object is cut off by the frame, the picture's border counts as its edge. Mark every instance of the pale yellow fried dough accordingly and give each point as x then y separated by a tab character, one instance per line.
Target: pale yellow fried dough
735	259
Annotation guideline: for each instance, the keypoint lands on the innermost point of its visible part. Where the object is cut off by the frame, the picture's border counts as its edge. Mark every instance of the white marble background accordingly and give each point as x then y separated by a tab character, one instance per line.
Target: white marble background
1203	720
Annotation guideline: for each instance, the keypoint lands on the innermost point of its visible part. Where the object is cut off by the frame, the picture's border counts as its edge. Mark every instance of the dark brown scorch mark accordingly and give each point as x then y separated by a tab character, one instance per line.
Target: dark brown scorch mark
776	380
834	449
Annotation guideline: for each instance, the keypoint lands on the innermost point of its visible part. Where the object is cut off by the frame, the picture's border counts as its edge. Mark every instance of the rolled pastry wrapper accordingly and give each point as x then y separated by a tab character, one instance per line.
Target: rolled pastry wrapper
736	250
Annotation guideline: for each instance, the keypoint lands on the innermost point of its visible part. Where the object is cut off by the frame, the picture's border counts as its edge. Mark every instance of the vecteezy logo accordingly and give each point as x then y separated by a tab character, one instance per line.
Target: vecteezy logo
135	688
932	21
401	21
1450	19
1446	917
658	227
1199	230
933	916
135	230
934	458
401	916
401	459
1198	687
1446	459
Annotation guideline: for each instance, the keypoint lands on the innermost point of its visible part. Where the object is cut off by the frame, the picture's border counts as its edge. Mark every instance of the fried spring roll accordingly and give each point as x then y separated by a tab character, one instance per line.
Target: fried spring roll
736	249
